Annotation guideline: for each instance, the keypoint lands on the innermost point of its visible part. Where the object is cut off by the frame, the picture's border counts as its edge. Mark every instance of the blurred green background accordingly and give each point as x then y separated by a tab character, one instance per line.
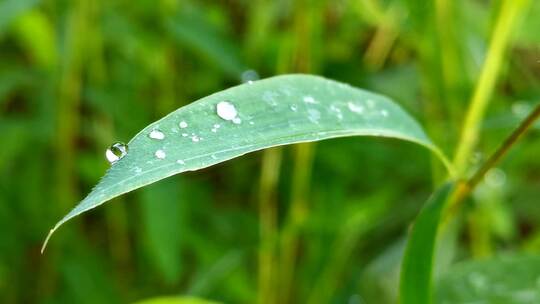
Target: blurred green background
76	76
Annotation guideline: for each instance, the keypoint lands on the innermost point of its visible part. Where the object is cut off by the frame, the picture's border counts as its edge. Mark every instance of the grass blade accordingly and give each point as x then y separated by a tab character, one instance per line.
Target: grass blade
277	111
415	285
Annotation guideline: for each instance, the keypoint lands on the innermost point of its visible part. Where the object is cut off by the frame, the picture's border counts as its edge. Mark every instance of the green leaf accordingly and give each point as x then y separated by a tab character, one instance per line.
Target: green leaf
501	280
415	284
277	111
176	300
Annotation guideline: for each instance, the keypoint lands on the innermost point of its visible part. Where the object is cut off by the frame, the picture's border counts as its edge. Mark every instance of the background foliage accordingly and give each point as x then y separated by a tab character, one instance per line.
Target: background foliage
77	75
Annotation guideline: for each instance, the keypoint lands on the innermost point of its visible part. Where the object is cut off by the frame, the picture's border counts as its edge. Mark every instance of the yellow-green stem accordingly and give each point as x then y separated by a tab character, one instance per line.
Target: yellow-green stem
297	213
271	163
488	77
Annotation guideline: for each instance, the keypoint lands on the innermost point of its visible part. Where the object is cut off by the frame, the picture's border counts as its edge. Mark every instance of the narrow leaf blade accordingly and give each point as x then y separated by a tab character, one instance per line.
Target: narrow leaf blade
276	111
416	270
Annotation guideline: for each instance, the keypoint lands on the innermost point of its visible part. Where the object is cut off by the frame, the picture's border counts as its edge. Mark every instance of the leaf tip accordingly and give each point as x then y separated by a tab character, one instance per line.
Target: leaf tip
47	239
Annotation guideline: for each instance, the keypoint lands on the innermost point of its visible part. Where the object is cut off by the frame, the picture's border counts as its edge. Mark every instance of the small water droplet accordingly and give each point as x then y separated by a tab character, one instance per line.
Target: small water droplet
226	110
116	152
237	120
183	124
384	113
294	108
248	76
251	123
138	170
495	177
181	162
217	126
195	138
156	134
477	280
160	154
521	108
355	108
309	99
314	115
185	134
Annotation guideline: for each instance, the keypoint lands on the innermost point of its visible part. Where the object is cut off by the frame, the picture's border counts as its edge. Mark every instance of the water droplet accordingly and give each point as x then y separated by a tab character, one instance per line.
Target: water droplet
384	113
337	111
521	108
477	280
249	76
226	110
251	123
314	115
183	124
270	98
156	134
217	126
237	120
309	99
185	134
495	177
181	162
138	170
355	108
160	154
116	152
195	138
294	108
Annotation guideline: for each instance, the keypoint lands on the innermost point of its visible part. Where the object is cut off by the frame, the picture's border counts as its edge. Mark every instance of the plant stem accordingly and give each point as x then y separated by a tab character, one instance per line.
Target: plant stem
267	231
297	214
466	187
488	77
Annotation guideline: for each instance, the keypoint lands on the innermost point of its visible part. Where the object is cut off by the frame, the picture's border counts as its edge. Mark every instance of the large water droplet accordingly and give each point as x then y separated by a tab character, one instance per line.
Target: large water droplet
116	152
160	154
156	134
226	110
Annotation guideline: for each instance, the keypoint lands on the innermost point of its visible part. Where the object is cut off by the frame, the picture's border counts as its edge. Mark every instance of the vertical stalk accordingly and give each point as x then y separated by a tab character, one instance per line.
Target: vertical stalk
271	163
486	83
298	212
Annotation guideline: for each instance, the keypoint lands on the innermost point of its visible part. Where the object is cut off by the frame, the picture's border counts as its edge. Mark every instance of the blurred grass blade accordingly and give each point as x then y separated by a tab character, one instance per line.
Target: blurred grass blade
176	300
11	9
190	30
277	111
416	269
509	280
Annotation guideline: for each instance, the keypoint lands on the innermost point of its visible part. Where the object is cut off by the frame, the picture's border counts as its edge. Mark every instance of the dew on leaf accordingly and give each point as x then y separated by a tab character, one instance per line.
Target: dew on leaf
355	107
160	154
116	152
156	134
183	124
226	110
